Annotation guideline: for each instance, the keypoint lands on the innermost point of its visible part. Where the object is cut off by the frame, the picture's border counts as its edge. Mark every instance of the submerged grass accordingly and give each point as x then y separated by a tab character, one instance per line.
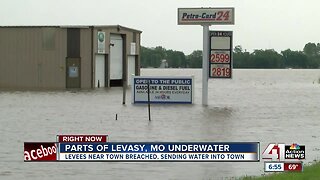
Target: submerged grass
311	172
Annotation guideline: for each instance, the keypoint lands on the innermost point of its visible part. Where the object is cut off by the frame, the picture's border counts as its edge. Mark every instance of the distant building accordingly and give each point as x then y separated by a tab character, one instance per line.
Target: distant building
164	64
59	57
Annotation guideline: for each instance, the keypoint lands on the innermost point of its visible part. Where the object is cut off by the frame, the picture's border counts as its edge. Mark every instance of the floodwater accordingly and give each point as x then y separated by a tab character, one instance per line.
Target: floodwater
256	105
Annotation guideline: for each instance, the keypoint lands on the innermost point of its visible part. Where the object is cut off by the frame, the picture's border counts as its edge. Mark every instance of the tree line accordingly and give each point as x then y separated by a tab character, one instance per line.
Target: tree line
269	58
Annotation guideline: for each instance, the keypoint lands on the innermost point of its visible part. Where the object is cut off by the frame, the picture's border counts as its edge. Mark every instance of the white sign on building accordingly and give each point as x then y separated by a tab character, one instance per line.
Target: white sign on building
101	38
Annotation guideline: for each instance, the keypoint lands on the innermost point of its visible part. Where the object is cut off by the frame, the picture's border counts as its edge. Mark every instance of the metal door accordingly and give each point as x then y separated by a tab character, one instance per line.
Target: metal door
73	74
116	57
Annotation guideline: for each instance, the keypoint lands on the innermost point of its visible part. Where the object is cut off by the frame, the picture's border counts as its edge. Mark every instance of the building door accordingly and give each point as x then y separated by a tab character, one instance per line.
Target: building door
116	60
100	71
73	69
73	73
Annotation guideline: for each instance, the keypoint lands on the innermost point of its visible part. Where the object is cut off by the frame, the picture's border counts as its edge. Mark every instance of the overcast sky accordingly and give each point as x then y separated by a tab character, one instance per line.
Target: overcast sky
259	24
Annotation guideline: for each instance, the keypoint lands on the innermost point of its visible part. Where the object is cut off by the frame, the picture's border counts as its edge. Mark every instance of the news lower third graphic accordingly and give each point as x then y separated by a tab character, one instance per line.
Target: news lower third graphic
164	151
92	148
278	157
283	157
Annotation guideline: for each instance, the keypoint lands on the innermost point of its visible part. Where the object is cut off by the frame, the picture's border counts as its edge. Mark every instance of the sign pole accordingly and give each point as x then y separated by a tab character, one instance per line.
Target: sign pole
205	68
149	100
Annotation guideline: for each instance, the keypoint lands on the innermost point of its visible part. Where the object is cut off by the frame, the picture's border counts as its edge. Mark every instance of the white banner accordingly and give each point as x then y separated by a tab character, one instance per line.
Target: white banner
232	157
162	89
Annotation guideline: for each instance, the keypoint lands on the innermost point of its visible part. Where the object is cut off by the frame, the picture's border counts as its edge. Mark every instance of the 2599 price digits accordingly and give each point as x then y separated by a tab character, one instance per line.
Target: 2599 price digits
220	72
220	58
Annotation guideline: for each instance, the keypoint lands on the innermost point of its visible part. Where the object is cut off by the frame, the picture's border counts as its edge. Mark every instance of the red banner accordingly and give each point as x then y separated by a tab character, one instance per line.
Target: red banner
82	138
40	151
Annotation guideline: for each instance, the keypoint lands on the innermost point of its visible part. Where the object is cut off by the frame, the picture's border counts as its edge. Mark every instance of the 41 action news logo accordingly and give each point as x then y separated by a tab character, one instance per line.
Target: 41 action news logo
282	152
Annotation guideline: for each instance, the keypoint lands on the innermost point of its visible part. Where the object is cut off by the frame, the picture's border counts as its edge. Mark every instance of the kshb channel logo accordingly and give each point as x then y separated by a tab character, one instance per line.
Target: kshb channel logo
283	152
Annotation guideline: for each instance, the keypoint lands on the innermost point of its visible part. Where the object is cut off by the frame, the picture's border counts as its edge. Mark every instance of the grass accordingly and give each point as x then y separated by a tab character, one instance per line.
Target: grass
311	172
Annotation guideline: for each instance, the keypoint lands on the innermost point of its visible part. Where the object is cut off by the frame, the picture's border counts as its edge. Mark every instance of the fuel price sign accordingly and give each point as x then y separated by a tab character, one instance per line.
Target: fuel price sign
220	58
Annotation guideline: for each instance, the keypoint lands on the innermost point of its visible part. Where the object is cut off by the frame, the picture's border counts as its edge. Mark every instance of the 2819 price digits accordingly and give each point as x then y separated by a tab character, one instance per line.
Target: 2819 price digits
220	72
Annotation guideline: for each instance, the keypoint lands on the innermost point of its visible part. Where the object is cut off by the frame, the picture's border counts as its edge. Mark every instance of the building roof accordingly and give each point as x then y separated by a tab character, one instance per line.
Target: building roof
117	26
74	26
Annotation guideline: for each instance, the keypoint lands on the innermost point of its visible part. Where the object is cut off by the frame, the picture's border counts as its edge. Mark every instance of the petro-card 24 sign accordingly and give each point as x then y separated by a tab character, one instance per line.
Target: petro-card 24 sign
213	16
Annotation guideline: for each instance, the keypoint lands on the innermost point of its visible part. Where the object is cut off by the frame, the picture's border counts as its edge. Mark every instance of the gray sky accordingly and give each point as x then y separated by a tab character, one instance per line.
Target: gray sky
259	24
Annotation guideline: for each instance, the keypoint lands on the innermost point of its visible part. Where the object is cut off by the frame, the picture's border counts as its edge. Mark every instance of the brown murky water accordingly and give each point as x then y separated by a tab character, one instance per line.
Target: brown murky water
257	105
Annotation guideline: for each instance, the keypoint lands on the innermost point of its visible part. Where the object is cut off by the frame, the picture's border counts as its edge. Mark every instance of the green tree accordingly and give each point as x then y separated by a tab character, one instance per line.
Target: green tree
266	59
294	59
241	59
195	59
238	49
145	56
313	53
318	49
310	49
151	57
269	58
176	59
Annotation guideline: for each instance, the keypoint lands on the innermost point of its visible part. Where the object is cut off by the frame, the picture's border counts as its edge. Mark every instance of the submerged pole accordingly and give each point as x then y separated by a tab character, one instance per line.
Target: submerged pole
205	68
149	100
124	90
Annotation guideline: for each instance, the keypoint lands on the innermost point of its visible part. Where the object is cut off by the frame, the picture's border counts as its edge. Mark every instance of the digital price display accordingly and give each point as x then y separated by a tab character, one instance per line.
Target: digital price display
220	58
